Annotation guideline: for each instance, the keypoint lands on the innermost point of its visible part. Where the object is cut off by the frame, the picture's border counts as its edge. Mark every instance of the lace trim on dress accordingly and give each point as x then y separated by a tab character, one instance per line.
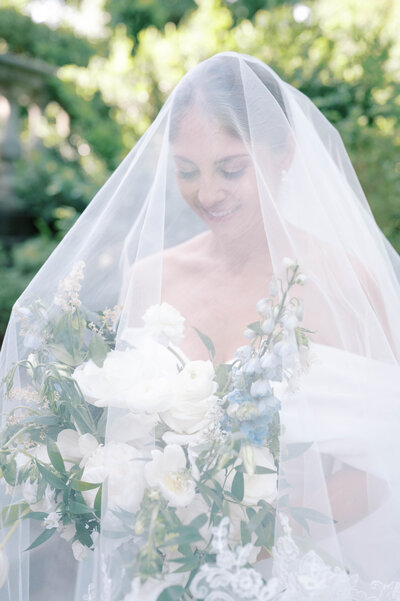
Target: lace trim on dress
296	576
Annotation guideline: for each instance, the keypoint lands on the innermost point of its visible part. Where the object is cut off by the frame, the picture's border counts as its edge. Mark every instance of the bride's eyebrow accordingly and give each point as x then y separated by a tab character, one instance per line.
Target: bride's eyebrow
231	157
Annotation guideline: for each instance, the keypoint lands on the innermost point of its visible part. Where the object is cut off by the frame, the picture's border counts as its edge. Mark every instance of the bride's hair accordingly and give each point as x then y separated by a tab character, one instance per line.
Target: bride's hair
216	87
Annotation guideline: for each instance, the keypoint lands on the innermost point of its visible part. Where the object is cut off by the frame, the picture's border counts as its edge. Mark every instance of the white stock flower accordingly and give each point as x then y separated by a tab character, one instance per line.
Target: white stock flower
135	379
122	465
80	551
4	567
164	323
192	398
52	520
167	471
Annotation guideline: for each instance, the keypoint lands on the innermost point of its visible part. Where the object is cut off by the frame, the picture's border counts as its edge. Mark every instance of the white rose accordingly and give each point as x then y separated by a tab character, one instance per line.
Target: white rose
193	398
122	465
137	379
164	323
133	427
4	566
167	471
80	551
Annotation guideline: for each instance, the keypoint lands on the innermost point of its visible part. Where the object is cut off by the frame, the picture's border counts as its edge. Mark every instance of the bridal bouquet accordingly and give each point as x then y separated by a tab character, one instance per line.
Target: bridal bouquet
191	452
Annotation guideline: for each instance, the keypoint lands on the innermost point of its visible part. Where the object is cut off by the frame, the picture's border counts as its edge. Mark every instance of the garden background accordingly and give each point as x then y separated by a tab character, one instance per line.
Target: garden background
81	80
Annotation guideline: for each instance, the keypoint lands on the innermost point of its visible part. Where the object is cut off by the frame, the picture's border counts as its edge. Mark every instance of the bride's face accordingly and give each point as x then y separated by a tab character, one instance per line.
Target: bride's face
216	175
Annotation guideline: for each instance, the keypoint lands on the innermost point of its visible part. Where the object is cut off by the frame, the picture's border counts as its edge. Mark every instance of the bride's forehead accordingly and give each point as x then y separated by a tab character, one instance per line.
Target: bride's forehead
197	130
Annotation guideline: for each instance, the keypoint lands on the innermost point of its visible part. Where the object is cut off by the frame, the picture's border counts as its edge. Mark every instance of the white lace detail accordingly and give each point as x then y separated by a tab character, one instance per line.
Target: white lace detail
296	576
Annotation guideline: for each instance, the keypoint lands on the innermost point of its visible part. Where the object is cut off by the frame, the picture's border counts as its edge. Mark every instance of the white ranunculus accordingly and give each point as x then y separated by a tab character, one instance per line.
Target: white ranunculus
4	566
135	379
80	551
167	471
122	465
164	323
193	398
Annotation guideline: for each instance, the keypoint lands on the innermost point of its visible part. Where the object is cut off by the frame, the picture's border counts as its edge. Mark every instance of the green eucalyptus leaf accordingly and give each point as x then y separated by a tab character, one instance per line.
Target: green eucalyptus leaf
55	455
42	538
208	343
12	513
98	349
81	485
51	478
171	593
237	489
79	508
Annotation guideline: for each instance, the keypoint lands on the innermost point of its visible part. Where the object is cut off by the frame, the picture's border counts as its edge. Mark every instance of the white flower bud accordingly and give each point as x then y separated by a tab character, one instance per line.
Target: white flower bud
268	326
273	286
262	306
288	262
301	279
250	334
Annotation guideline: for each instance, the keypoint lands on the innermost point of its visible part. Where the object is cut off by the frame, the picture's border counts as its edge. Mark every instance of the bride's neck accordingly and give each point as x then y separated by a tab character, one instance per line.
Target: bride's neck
247	252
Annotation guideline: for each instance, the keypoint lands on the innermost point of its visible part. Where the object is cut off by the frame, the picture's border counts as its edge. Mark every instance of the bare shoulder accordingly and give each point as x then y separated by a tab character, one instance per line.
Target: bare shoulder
186	257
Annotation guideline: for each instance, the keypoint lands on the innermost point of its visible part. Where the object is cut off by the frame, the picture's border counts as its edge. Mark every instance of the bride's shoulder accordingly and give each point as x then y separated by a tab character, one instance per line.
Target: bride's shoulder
189	255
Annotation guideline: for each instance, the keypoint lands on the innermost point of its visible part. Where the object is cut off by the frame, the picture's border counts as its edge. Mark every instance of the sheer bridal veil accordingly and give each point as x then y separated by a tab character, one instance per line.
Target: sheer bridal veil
239	178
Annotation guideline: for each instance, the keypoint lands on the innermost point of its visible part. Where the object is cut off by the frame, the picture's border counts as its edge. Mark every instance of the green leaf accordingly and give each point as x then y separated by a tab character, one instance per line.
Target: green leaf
237	489
182	539
42	538
208	343
62	355
98	349
50	478
12	513
245	534
79	508
97	502
55	455
9	471
259	469
198	521
171	593
305	513
81	485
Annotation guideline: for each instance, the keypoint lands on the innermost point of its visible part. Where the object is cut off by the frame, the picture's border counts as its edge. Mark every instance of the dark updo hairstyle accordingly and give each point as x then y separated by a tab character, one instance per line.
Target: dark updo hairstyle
216	87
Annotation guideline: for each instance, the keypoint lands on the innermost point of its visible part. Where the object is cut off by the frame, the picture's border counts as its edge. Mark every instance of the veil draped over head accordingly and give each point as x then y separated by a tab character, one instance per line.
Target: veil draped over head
239	180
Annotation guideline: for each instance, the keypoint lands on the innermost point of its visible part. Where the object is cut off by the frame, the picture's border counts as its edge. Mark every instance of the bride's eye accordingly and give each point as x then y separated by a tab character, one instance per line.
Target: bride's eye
187	174
232	173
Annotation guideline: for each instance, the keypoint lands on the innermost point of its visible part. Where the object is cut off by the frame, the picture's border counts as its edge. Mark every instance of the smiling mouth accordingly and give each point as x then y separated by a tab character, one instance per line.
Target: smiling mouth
220	214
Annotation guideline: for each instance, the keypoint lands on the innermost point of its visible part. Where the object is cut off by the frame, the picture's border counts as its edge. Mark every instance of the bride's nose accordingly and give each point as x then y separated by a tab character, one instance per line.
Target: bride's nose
210	194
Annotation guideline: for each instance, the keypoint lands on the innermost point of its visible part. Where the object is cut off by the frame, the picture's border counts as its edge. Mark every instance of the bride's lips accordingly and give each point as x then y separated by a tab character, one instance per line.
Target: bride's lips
221	215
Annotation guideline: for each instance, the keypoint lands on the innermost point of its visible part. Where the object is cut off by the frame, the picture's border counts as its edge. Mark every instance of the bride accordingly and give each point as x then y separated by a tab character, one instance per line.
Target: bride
239	179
